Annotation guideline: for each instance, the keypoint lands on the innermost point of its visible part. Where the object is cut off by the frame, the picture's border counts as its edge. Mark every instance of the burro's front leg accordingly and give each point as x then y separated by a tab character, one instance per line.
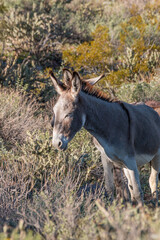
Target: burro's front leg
132	174
108	170
108	175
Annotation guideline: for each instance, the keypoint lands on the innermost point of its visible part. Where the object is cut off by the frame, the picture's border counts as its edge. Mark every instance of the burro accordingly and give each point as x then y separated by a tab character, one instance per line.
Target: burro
127	135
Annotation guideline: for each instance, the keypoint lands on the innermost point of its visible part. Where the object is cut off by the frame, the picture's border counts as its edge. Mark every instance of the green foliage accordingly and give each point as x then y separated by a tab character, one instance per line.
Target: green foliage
19	233
142	50
94	55
93	38
140	92
75	19
32	36
29	36
131	55
29	48
2	7
38	154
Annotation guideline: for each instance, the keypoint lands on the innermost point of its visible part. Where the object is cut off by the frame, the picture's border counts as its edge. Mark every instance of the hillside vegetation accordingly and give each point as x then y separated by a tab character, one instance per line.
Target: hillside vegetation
118	38
45	193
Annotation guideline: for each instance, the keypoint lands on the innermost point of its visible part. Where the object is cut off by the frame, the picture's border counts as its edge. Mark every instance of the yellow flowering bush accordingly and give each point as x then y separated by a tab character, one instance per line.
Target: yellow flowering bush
134	53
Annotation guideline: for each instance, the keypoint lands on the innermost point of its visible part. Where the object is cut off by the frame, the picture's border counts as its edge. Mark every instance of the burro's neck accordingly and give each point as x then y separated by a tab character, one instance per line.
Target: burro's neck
106	121
97	112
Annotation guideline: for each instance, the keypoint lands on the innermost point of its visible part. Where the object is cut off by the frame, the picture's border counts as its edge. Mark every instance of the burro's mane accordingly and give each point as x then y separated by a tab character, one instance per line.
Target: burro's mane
95	92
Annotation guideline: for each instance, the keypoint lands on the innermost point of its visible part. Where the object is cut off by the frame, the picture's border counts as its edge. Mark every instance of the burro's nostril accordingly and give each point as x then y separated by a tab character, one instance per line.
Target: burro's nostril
60	143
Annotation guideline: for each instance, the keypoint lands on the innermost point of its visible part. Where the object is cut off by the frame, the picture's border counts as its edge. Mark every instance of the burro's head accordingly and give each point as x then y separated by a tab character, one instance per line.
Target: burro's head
68	115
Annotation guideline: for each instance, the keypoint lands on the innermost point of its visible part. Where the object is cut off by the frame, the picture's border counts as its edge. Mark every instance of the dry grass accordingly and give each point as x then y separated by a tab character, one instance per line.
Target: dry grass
61	207
60	195
18	115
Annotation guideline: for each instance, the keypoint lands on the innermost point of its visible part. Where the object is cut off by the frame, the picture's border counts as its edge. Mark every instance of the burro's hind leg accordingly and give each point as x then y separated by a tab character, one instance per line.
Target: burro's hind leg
134	185
153	179
121	184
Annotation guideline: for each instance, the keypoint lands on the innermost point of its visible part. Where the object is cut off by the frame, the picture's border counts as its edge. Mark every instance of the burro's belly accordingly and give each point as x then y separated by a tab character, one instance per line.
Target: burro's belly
142	159
120	157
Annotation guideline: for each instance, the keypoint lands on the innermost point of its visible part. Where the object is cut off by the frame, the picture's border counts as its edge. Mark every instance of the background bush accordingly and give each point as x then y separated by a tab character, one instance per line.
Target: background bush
91	37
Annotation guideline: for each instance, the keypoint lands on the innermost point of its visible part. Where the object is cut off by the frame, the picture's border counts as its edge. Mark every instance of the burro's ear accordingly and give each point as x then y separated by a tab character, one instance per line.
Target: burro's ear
67	77
57	84
93	81
76	84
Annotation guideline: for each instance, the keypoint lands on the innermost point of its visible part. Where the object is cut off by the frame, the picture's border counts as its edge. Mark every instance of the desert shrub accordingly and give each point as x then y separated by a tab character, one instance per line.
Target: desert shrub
24	77
144	49
55	194
94	55
29	36
123	43
32	35
29	48
18	233
140	92
14	187
60	209
43	161
83	16
44	187
127	52
18	115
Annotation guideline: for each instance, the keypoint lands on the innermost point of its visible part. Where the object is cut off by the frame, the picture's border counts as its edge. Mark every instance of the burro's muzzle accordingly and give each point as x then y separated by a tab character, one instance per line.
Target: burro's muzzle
60	142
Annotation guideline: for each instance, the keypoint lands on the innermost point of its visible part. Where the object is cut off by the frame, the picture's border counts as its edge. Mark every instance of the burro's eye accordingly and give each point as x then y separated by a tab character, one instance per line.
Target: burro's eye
52	123
69	115
53	119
